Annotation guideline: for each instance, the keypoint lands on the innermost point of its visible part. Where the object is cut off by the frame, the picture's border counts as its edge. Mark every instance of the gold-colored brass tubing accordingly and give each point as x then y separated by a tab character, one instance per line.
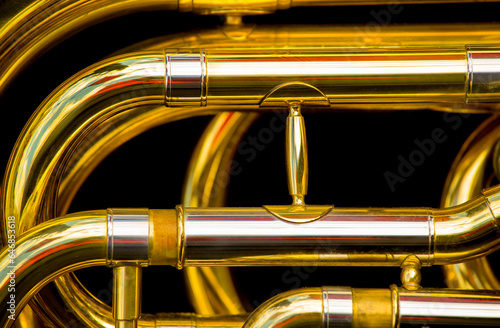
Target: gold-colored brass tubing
211	290
296	308
372	308
330	307
121	121
28	28
133	105
48	250
127	298
465	180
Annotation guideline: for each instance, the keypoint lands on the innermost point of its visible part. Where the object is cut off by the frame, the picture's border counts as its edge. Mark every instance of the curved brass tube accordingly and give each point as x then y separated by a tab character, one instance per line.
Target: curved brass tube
465	180
62	128
296	308
53	248
28	28
119	107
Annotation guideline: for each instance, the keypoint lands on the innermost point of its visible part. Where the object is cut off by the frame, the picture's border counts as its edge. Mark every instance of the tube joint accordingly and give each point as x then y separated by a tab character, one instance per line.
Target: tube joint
128	236
186	79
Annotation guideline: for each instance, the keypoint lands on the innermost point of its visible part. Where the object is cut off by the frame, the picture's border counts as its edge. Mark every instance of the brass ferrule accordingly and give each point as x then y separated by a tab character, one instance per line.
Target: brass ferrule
186	79
128	236
164	231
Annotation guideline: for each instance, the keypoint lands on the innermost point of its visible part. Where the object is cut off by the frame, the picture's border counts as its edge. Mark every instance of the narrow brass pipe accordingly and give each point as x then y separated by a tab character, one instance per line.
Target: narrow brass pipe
92	94
127	298
65	244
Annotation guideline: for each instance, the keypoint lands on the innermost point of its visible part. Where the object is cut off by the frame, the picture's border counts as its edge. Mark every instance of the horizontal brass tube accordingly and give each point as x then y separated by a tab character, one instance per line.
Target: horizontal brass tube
359	237
48	250
376	308
271	78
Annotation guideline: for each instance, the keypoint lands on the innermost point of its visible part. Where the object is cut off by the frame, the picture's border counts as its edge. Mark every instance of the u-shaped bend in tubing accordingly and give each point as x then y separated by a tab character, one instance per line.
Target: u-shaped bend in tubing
114	100
87	100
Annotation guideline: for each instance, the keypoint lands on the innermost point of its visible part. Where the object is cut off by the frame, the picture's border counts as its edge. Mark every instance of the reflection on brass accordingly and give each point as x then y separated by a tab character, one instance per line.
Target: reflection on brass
236	72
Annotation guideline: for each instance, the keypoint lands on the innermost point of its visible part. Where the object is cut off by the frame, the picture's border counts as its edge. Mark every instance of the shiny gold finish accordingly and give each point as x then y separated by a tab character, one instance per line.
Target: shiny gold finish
298	213
371	308
127	281
410	273
49	250
331	307
211	289
288	310
465	180
297	163
163	232
419	71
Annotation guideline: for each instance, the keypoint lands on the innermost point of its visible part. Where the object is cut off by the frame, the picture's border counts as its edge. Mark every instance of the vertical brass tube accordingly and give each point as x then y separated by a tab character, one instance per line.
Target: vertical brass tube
127	282
297	163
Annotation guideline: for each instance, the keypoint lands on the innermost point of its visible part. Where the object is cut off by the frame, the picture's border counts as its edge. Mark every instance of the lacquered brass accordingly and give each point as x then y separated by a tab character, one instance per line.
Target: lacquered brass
236	72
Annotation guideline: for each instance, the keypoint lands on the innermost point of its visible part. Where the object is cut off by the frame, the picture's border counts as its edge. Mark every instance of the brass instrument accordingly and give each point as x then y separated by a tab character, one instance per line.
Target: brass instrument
390	109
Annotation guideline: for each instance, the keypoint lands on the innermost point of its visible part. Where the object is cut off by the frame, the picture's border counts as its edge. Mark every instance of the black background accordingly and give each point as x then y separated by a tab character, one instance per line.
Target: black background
349	152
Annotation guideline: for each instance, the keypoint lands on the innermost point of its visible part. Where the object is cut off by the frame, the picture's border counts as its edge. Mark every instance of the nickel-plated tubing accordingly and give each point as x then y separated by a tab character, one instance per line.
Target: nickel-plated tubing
128	235
449	307
254	236
337	307
384	237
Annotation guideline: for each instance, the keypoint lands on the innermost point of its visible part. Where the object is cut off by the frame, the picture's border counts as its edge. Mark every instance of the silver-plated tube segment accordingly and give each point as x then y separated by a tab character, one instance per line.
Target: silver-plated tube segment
253	236
483	77
337	307
186	79
449	307
128	235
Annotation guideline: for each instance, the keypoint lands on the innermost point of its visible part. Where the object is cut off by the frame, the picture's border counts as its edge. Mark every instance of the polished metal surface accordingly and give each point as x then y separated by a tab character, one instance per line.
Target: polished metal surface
253	236
236	71
449	307
47	251
186	79
483	75
297	163
128	235
337	307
